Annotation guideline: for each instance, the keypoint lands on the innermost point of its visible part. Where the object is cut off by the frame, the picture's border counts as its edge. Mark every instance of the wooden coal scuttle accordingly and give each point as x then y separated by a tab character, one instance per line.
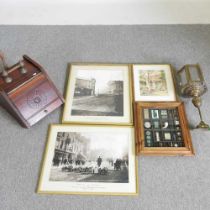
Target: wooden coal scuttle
27	92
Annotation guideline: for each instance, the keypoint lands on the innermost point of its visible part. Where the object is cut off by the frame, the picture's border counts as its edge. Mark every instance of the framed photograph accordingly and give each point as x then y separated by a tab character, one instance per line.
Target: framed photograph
153	82
162	129
89	160
99	93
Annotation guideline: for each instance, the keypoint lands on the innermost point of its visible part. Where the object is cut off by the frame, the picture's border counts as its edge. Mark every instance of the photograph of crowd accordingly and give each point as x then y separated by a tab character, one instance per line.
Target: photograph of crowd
90	157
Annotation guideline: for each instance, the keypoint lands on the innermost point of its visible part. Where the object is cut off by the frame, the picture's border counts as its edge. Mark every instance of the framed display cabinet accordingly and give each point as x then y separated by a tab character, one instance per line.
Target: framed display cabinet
162	129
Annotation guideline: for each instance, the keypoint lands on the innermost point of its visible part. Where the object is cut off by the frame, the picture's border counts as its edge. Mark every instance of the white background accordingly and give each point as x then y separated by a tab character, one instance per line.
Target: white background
112	12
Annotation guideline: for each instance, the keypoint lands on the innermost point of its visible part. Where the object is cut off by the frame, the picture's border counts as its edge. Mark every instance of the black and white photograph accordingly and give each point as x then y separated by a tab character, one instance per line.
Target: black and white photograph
88	157
84	155
99	93
96	95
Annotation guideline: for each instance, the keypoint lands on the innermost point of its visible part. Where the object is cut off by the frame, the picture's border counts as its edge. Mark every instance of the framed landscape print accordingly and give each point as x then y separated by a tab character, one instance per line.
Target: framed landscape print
98	93
162	129
89	160
153	82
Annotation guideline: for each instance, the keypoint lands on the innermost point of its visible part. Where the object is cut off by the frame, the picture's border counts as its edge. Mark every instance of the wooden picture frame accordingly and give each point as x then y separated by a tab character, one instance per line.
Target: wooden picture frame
107	100
153	82
170	136
71	161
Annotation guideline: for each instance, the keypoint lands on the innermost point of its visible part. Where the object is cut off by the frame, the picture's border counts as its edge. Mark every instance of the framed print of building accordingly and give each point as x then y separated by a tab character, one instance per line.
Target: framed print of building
153	82
99	94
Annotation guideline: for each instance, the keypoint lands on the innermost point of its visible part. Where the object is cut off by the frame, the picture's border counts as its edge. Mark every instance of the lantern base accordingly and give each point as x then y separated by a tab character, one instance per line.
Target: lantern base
202	124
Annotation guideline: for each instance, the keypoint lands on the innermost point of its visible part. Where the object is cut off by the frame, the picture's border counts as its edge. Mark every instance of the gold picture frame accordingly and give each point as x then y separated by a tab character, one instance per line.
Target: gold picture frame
90	106
173	132
153	82
117	140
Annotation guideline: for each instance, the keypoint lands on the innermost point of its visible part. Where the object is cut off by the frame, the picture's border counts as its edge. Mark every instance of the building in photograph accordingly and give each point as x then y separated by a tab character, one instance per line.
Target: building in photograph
84	87
70	147
115	87
153	81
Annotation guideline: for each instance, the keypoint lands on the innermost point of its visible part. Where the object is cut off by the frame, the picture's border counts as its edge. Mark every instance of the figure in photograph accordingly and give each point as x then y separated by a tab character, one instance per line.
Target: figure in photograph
117	164
152	83
98	93
99	161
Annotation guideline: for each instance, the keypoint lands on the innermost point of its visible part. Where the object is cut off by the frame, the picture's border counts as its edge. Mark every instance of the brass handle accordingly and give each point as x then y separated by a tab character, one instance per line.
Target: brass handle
23	70
4	72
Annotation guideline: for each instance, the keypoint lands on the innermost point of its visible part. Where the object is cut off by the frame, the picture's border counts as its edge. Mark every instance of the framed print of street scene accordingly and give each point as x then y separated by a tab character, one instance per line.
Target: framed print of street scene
89	160
98	93
153	82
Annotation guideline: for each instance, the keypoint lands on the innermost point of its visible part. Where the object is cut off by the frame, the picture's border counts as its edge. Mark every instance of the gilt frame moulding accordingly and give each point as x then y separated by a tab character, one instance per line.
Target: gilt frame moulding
126	119
169	76
47	186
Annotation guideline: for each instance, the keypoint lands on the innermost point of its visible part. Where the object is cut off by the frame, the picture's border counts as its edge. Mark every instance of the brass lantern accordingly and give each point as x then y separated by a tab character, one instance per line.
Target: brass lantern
192	85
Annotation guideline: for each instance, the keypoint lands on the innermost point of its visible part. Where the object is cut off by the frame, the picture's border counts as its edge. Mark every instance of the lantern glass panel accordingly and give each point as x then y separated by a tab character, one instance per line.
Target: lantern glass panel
182	77
194	73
